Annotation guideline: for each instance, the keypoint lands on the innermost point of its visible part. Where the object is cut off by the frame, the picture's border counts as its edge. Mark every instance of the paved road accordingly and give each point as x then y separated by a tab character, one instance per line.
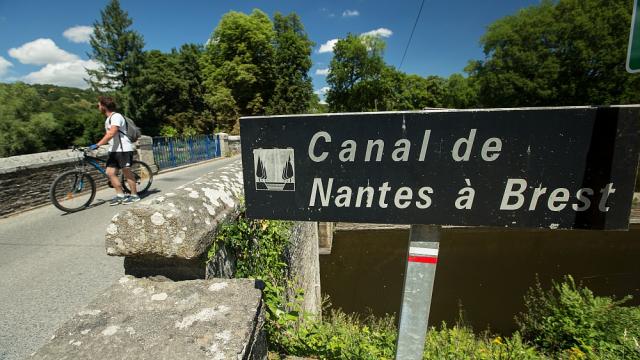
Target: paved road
52	264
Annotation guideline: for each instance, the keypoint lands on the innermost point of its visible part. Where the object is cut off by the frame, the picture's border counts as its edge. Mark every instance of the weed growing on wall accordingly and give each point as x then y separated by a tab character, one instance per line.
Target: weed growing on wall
259	247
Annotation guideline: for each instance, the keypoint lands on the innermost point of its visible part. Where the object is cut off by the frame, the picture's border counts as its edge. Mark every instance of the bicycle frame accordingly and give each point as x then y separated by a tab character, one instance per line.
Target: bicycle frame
93	161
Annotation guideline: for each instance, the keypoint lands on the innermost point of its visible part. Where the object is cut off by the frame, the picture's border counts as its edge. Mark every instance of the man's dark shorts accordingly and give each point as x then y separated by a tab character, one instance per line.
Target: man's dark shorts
120	160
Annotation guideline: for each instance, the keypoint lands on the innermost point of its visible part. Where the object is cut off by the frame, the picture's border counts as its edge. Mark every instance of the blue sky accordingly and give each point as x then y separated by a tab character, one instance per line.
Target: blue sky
44	41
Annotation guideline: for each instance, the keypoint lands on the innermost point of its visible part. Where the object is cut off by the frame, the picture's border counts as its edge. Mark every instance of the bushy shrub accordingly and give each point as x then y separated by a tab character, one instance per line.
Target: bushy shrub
339	336
569	321
460	342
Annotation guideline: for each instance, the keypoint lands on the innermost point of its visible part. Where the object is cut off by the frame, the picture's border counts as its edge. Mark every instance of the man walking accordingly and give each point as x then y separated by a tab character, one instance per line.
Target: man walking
120	151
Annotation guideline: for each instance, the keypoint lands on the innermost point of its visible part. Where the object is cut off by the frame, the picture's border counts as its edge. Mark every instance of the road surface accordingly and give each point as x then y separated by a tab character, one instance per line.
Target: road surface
52	264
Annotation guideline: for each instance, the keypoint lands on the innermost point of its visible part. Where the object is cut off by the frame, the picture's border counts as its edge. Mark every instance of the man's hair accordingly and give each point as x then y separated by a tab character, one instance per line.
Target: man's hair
108	102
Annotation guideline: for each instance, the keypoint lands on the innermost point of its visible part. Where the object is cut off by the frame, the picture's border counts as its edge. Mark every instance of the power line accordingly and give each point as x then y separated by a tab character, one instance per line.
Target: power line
411	36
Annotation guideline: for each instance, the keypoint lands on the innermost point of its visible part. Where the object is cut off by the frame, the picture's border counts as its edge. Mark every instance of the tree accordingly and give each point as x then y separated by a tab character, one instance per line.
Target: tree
189	72
154	92
569	52
238	65
417	93
191	114
356	77
117	48
36	118
316	106
293	89
460	93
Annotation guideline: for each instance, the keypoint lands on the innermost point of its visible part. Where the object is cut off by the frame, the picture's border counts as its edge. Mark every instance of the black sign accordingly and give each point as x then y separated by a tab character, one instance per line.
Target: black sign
536	168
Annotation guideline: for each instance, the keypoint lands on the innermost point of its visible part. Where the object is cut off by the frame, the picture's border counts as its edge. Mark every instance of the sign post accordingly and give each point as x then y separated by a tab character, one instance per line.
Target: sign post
420	275
557	168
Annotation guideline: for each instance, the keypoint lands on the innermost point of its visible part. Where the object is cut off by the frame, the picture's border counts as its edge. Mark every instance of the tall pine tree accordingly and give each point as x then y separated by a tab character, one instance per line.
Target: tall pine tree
116	47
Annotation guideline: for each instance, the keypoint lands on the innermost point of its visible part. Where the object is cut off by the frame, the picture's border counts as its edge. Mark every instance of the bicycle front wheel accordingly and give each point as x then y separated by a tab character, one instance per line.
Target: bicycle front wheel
72	191
143	175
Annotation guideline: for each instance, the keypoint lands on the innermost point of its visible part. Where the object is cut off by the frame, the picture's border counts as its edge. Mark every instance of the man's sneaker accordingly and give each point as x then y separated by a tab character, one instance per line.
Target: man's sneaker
117	200
131	199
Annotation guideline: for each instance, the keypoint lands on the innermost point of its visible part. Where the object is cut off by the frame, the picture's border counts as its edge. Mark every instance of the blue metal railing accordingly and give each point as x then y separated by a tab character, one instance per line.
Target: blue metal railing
170	152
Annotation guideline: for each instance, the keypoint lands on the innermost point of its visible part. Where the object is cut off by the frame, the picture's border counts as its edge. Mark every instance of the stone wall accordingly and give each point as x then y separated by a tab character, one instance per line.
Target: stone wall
25	180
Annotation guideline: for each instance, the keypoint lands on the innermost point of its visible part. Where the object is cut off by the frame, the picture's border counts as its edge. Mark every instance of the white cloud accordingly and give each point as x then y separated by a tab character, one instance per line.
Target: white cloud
4	66
41	52
328	46
323	72
78	34
322	91
382	32
70	74
350	13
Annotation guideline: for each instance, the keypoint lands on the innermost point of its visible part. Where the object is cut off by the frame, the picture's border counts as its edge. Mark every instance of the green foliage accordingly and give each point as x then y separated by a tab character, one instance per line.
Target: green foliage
35	118
567	52
168	90
339	336
461	92
258	245
168	131
189	131
154	92
568	319
359	80
460	342
315	106
116	47
293	88
238	65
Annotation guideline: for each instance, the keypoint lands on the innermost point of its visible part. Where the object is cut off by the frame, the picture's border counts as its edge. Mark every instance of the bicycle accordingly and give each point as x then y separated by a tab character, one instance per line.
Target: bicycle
75	189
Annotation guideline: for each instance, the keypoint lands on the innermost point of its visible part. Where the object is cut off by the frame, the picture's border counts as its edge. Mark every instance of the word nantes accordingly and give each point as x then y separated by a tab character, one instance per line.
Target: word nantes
513	196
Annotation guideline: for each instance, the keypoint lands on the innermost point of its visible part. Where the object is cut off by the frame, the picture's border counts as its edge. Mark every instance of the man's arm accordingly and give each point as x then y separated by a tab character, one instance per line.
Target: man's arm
113	130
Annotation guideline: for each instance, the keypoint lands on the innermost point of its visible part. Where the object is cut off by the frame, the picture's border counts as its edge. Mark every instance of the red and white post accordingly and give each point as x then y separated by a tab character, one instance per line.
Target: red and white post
424	244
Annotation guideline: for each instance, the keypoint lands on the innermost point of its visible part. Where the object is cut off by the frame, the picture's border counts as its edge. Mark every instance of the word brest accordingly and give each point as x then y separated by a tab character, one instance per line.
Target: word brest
517	193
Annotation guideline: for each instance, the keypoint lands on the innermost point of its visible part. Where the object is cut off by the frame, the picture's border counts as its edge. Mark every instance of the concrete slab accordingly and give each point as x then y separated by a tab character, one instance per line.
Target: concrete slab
161	319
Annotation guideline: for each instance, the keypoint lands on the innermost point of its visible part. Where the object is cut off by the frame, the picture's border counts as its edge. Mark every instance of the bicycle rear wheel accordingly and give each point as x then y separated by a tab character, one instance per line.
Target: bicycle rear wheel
72	191
143	175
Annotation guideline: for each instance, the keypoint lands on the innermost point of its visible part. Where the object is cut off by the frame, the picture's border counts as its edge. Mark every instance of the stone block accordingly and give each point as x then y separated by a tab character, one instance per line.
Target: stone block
160	319
224	143
180	224
144	148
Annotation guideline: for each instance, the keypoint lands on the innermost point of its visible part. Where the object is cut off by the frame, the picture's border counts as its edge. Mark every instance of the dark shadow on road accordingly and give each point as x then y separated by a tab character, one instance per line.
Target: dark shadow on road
95	203
99	202
149	192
